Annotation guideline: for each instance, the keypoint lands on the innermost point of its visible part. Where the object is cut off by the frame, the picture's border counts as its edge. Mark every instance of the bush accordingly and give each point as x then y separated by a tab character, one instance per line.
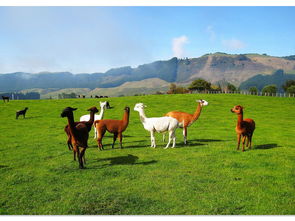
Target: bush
291	89
269	89
200	85
253	90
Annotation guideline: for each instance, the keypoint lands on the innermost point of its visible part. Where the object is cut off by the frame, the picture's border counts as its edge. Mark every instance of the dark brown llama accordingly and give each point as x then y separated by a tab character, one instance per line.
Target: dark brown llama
78	134
5	98
21	112
245	128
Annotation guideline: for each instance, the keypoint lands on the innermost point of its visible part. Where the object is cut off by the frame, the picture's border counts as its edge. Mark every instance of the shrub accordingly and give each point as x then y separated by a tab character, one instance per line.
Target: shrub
270	89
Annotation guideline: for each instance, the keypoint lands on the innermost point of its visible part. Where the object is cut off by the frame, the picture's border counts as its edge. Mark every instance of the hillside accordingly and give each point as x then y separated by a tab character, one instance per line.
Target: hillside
212	67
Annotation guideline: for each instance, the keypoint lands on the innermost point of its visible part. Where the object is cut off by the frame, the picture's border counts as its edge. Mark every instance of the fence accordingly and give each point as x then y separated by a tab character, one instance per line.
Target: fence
246	93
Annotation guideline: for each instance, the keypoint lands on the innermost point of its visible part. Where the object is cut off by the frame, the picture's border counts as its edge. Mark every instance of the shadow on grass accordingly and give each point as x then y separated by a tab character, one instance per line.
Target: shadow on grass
266	146
3	166
125	160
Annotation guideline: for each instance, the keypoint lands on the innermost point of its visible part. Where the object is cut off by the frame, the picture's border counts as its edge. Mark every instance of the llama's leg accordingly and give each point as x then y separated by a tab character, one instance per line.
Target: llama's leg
16	117
95	133
164	135
80	157
100	134
243	142
153	140
239	140
170	138
83	155
174	139
120	138
184	134
247	144
114	139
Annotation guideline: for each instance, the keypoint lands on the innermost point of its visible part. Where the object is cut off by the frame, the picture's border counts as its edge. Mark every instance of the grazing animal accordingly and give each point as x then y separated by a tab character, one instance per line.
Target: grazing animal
116	127
245	127
186	119
88	122
5	98
96	117
78	134
157	124
21	112
108	106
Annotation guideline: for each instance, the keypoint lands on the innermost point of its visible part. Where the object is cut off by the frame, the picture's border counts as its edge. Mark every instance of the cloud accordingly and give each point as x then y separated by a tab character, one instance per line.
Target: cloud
233	44
211	32
178	46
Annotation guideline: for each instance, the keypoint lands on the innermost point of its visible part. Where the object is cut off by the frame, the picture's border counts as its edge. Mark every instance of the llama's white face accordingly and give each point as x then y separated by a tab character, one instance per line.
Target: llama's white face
139	106
203	102
103	105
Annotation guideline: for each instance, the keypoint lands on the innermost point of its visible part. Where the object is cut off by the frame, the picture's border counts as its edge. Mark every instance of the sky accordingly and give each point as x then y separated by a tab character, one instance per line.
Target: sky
95	39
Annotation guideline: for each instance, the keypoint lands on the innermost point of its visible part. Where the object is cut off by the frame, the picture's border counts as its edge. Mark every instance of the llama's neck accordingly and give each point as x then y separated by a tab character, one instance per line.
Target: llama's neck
71	122
91	120
142	116
125	119
240	119
197	113
101	112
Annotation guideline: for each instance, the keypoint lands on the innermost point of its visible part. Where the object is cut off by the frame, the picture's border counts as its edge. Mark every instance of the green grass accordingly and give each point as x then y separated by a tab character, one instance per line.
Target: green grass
208	176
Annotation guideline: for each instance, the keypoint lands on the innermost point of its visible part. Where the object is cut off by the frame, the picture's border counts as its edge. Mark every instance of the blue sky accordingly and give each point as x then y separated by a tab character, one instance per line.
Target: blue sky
95	39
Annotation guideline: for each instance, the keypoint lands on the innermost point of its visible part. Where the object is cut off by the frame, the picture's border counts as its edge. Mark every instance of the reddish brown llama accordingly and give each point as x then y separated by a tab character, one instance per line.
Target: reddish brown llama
186	119
89	124
116	127
78	134
245	128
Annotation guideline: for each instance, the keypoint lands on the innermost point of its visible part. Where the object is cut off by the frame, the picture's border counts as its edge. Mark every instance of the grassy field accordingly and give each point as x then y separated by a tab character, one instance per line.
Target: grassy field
208	176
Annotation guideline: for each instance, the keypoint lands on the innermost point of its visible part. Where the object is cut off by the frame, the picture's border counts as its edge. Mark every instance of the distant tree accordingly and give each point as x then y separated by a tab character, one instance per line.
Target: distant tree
271	89
288	84
172	89
200	85
181	90
253	90
231	87
291	89
215	87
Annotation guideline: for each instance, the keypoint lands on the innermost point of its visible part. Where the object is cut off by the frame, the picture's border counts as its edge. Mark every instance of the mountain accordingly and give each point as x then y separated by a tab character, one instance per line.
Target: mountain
212	67
278	78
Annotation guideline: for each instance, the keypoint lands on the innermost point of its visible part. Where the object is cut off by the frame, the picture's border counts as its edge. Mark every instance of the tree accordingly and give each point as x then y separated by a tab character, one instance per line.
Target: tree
288	84
271	89
231	87
172	89
253	90
200	85
291	89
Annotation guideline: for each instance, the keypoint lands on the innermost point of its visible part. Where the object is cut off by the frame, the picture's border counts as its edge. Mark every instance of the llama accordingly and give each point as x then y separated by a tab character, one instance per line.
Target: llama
78	134
5	98
245	128
96	117
88	123
21	112
157	124
116	127
186	119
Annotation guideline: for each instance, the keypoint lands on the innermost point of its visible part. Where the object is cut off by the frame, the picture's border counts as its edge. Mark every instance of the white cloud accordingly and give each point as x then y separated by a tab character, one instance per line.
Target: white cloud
178	46
211	32
233	44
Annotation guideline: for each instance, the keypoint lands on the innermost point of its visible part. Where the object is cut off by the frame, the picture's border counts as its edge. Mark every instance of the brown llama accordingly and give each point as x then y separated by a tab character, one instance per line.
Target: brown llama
186	119
78	134
116	127
245	128
89	124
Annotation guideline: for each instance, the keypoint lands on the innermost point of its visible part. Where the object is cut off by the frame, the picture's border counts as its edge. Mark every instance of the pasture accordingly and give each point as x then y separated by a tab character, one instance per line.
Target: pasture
207	176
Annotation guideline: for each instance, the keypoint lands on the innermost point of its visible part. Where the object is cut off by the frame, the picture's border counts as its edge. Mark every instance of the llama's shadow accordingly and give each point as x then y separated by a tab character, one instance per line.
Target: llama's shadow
124	160
266	146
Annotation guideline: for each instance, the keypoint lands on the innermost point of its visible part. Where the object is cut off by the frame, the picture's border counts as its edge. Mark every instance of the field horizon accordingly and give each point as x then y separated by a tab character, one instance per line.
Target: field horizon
206	177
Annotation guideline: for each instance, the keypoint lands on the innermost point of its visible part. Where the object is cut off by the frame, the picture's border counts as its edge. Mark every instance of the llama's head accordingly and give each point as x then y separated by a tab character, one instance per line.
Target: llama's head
202	102
67	111
139	106
127	109
93	109
103	105
237	109
26	108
